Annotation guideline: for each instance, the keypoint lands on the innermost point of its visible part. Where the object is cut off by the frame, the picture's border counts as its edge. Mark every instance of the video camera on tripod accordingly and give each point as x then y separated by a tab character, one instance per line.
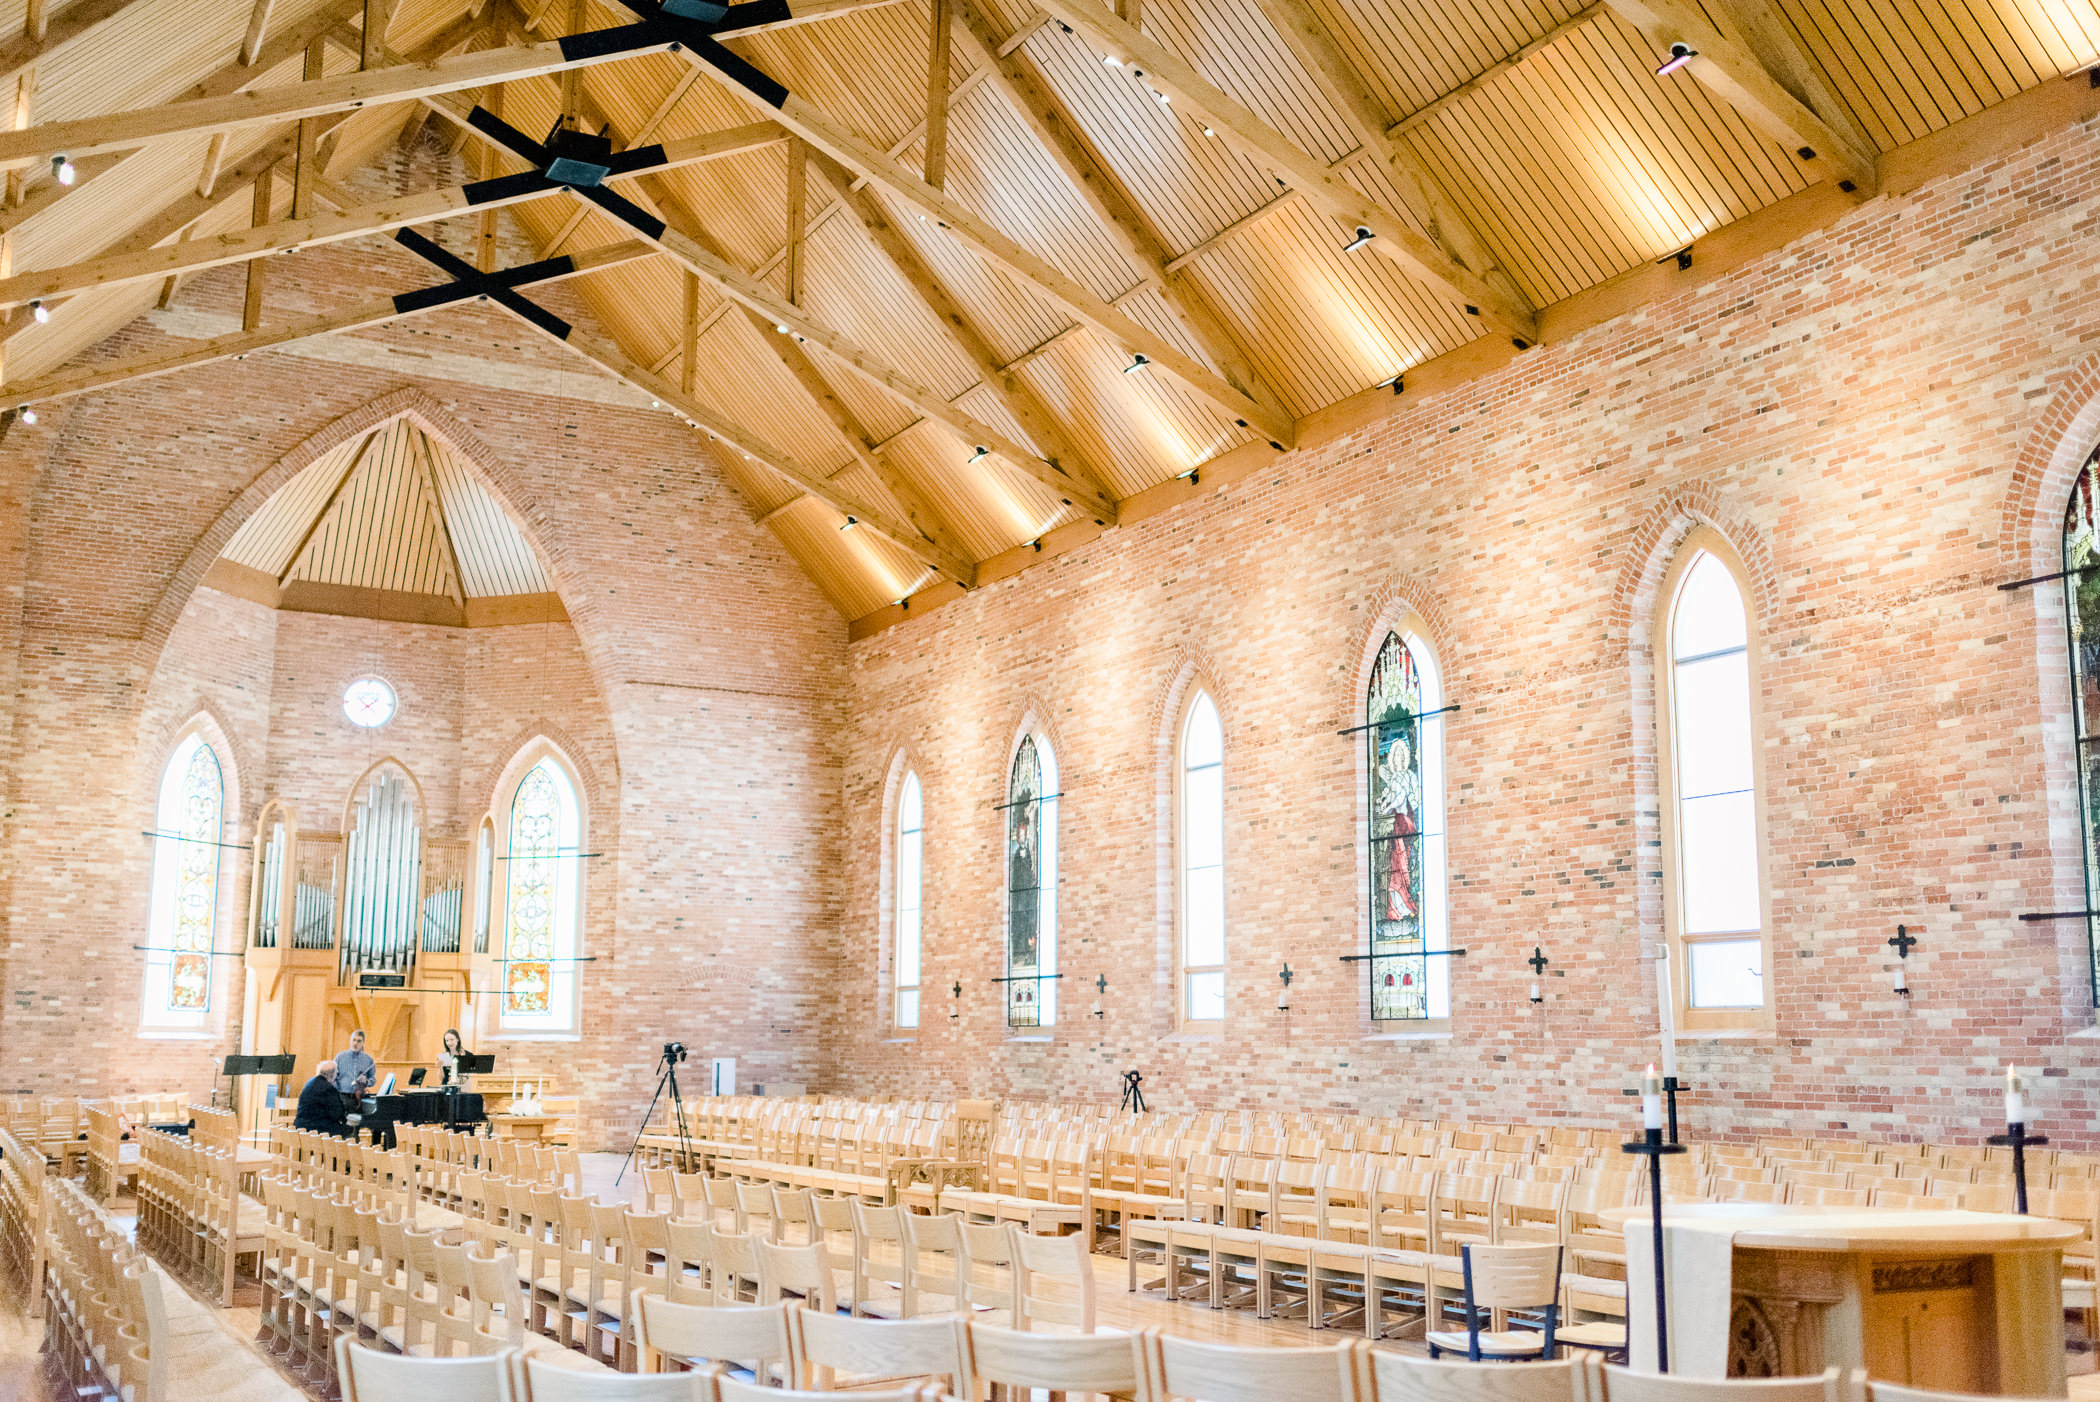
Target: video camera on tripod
667	1064
674	1052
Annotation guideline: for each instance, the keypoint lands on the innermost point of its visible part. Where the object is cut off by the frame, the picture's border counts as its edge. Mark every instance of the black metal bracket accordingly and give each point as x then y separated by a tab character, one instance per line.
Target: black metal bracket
1374	724
2034	915
2041	579
692	24
1024	802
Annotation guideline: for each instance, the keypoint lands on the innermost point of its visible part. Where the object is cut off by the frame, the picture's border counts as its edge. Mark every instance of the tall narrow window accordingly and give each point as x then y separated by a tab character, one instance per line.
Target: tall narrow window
2082	595
544	893
1031	886
185	902
1713	785
1410	981
909	877
1202	863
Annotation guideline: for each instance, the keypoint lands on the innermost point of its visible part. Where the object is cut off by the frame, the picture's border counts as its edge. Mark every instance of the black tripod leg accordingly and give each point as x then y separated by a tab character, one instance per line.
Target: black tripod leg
644	1129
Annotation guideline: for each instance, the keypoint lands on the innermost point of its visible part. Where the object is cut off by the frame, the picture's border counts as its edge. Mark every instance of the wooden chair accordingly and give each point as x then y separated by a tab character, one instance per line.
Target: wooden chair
1399	1376
1890	1392
995	1272
731	1390
534	1380
1499	1279
799	1273
1624	1385
1230	1373
823	1346
735	1268
1041	1261
879	1269
669	1334
1112	1364
369	1375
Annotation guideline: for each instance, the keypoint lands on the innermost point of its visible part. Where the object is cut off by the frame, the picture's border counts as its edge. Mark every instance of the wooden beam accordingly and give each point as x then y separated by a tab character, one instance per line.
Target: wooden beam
379	216
1734	74
938	47
433	502
1428	111
980	236
1030	27
612	359
214	156
64	384
45	192
1043	113
1262	144
689	335
305	161
1772	41
251	304
36	22
266	106
579	12
378	13
258	23
1035	417
1230	231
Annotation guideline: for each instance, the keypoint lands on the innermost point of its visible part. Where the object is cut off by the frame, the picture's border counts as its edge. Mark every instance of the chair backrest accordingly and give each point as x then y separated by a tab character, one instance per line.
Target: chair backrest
1042	1260
1110	1363
735	1268
936	1263
689	1261
1890	1392
993	1268
1511	1277
551	1382
1234	1373
368	1375
826	1345
1418	1380
731	1390
1624	1385
666	1331
800	1272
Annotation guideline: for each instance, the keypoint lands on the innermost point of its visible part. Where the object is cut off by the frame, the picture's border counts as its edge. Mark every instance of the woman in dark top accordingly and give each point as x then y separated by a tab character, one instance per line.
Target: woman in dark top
448	1059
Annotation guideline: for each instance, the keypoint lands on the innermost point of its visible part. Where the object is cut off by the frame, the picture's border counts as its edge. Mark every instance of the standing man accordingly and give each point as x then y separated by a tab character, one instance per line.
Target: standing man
321	1104
355	1071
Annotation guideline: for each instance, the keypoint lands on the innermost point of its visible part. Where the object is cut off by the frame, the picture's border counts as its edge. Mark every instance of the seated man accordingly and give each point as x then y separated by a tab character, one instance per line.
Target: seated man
321	1104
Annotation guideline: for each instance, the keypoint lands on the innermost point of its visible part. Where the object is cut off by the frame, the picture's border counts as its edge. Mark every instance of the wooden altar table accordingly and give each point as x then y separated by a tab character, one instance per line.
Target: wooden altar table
1951	1301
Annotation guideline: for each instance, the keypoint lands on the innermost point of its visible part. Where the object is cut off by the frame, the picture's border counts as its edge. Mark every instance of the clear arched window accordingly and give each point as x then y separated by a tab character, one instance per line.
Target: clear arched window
1404	726
1202	862
1712	783
2082	616
1031	886
910	880
543	902
185	903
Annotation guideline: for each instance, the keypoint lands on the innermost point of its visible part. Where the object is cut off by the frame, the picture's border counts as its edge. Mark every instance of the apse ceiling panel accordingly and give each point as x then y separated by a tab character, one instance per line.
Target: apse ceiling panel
266	540
383	531
495	559
1189	185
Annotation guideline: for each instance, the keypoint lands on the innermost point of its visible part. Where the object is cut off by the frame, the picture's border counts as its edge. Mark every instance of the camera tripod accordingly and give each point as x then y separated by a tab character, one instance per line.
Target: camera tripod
673	1053
1133	1098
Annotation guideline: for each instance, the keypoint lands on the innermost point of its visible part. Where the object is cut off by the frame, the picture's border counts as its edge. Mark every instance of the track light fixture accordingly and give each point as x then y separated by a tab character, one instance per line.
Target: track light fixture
1163	100
1191	477
1036	545
1395	381
1137	362
981	454
62	170
1682	258
851	522
28	414
781	329
1111	61
41	312
1208	132
1363	236
1680	55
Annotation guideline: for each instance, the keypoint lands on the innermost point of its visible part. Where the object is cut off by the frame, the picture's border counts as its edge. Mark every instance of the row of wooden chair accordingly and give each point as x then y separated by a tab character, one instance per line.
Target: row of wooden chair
192	1214
444	1151
22	1175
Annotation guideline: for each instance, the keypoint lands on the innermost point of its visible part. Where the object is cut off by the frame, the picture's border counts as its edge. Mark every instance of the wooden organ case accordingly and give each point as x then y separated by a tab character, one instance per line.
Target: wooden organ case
379	897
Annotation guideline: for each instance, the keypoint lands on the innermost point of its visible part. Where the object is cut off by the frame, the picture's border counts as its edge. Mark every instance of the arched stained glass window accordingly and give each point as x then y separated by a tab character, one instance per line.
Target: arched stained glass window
1031	886
185	901
1713	787
1202	862
1410	980
910	852
2082	614
544	891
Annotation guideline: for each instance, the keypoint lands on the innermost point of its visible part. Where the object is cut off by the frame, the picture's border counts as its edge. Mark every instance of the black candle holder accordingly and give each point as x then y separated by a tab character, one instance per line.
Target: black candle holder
1671	1085
2016	1135
1652	1147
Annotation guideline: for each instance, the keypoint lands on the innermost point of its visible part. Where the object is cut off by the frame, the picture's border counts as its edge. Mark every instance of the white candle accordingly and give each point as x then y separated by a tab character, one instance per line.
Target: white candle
1902	985
1536	996
1651	1100
1666	1012
1670	1052
2015	1105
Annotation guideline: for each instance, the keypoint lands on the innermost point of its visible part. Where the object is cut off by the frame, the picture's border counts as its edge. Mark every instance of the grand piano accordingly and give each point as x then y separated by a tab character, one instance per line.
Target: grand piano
419	1107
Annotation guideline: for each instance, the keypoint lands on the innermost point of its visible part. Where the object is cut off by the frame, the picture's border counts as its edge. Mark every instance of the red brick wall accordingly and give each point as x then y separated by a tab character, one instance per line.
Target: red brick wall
1884	419
697	688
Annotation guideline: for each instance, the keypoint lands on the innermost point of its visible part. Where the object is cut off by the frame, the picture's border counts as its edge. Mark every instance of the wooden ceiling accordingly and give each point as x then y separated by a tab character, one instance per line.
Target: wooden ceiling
1176	180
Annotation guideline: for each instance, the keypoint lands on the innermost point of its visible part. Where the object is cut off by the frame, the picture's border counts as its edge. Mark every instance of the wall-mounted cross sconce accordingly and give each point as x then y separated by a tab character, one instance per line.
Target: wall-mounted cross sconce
1100	986
955	1005
1903	940
1283	998
1538	962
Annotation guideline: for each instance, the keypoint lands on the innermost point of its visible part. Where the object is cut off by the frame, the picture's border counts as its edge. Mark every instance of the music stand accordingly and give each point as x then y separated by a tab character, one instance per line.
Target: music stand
464	1065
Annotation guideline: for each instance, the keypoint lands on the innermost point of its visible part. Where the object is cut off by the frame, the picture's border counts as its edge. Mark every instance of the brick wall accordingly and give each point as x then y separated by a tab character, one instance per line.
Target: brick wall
1883	419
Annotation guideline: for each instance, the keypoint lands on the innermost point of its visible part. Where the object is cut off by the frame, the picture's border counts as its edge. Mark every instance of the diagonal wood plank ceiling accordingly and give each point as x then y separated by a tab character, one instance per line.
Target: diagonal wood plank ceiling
906	295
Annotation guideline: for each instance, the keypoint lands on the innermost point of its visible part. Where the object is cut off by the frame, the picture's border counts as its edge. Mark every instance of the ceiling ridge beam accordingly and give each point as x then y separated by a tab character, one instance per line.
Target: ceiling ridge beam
980	236
1019	397
1261	143
427	488
1738	77
1039	109
1327	61
231	346
374	217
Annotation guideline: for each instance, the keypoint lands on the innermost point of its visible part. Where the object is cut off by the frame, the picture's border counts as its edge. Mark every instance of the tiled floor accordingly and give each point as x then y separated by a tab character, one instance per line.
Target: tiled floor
1118	1309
